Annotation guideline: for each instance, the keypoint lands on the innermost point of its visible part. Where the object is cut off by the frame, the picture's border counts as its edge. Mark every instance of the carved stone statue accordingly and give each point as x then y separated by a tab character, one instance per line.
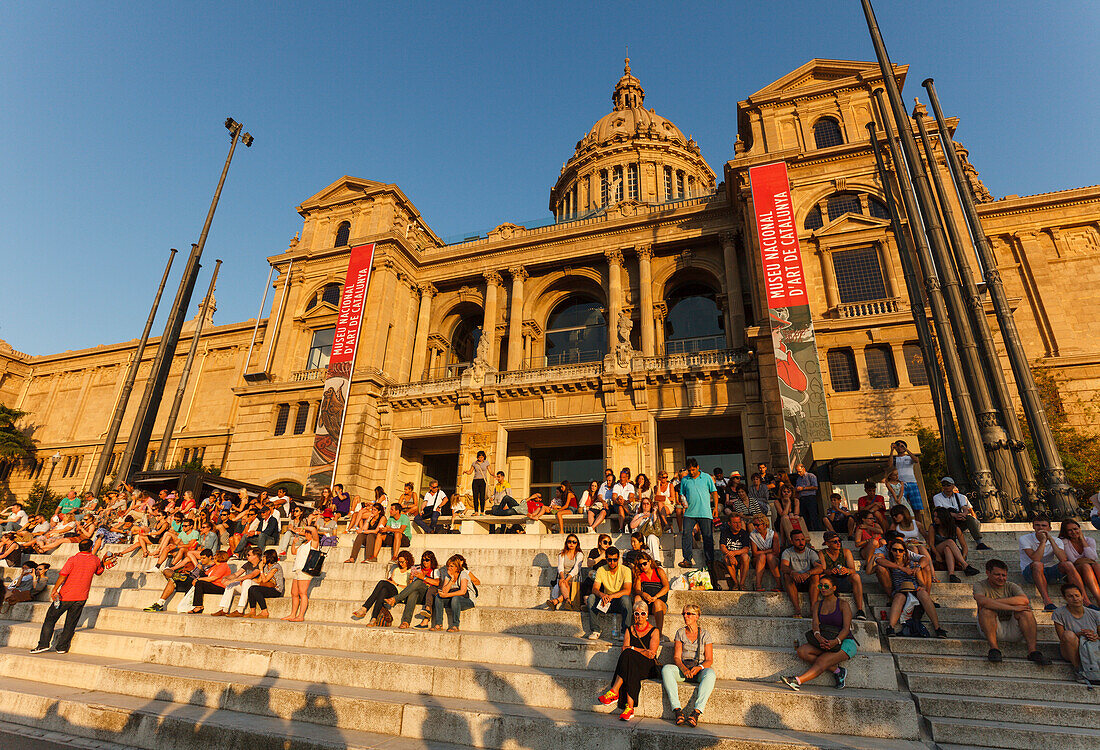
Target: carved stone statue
481	364
624	352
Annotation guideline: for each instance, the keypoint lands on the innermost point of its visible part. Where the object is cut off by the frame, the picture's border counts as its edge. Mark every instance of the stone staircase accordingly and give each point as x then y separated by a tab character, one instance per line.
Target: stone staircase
515	677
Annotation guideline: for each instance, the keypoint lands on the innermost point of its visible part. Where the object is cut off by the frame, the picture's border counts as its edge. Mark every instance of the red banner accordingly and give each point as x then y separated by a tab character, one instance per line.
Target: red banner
784	281
334	401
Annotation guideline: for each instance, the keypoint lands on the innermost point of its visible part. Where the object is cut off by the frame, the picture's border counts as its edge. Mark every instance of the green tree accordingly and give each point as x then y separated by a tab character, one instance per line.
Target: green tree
1080	451
42	497
197	465
15	444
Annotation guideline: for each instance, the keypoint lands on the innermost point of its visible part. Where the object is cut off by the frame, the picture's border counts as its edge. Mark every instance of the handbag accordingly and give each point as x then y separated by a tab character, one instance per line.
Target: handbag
315	560
828	632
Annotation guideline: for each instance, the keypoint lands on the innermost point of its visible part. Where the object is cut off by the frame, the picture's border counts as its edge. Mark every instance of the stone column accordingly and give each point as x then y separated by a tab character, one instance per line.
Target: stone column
645	280
614	295
735	306
832	296
489	318
420	342
887	269
515	319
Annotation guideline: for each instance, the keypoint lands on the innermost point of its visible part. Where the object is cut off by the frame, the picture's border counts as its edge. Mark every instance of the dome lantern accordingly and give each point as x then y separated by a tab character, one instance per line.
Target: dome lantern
628	92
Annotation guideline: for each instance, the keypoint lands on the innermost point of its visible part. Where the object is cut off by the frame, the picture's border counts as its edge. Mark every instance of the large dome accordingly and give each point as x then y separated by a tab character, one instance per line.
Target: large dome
631	153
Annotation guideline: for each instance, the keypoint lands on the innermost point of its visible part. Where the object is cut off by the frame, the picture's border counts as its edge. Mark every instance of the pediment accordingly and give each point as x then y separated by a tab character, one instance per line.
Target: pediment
323	310
819	74
344	189
851	223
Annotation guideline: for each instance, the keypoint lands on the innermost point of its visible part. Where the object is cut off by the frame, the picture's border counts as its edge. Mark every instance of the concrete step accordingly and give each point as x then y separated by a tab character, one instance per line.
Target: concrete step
1053	683
381	685
1013	666
950	648
1022	710
980	733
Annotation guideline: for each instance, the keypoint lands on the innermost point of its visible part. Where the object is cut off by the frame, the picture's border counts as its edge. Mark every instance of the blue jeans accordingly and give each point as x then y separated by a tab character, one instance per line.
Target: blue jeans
620	606
671	676
427	521
454	606
706	529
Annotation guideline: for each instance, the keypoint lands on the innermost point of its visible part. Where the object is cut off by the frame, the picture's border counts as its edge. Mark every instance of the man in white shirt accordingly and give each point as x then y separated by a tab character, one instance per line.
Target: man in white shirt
1043	561
17	517
961	509
429	512
903	462
623	496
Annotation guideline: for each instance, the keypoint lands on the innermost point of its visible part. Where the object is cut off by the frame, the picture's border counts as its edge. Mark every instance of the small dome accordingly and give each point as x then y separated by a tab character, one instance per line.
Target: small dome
614	148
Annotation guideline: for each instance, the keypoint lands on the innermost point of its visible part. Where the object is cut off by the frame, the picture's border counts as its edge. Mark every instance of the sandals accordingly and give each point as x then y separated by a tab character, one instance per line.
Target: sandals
692	719
198	611
678	715
356	616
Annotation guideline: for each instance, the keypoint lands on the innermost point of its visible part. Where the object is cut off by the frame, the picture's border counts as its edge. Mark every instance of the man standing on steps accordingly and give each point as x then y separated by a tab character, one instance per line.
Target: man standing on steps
1004	613
698	491
69	595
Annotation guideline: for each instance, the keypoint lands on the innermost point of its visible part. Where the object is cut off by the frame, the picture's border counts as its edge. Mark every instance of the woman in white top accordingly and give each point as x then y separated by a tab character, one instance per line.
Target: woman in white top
1081	552
457	593
909	529
386	589
766	547
647	522
664	498
692	660
567	588
592	502
299	587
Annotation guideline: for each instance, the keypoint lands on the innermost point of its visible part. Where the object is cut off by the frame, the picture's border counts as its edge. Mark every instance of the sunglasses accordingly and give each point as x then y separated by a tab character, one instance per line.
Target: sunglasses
641	614
823	586
688	614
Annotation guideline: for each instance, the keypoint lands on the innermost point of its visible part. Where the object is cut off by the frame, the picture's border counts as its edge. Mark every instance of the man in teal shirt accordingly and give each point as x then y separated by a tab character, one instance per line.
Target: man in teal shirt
398	531
70	503
698	491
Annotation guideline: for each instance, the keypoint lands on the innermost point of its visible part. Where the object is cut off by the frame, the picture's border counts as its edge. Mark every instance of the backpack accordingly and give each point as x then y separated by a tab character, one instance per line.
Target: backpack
1089	652
914	628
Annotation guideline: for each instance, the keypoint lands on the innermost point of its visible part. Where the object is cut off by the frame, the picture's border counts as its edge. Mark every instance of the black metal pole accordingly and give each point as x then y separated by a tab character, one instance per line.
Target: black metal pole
127	388
984	431
1053	474
991	361
185	374
940	401
154	389
964	409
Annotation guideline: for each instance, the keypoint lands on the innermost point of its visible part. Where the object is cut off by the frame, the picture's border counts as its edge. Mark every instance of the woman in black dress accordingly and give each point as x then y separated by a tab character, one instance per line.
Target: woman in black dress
637	662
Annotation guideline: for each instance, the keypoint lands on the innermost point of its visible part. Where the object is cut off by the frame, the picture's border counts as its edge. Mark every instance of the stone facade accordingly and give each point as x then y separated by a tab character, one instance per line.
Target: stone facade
622	334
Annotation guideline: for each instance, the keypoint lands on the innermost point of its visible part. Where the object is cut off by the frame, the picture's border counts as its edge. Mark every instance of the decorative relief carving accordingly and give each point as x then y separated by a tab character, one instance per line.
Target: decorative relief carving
492	278
427	290
627	432
644	251
549	407
614	257
519	272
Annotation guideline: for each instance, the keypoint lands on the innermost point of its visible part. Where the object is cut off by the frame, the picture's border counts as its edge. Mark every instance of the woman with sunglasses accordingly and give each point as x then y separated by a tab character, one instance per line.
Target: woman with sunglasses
386	589
664	498
563	504
766	548
647	522
597	558
787	516
637	662
567	588
692	661
423	583
829	644
903	571
651	586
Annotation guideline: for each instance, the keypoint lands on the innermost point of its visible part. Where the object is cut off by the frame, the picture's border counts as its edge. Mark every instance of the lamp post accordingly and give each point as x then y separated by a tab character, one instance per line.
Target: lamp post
54	459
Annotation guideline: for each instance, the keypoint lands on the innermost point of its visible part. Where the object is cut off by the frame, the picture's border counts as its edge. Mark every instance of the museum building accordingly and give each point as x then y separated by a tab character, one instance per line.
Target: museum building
630	329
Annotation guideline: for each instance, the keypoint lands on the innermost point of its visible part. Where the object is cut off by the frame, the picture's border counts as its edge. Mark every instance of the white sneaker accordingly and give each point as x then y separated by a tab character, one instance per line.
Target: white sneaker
40	650
593	636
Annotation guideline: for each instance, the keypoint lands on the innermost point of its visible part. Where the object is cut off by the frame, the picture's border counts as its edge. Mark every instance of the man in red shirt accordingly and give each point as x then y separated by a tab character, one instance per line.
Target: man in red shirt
68	596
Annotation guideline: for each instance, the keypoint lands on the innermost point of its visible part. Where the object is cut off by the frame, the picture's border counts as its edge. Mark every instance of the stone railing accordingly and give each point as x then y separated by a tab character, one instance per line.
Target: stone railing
869	307
542	375
305	376
422	389
694	360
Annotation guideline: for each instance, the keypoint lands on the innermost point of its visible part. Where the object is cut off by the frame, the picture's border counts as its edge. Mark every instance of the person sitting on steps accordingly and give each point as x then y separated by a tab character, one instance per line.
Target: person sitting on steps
1043	561
903	584
840	565
692	661
829	643
1078	629
386	589
637	662
1004	613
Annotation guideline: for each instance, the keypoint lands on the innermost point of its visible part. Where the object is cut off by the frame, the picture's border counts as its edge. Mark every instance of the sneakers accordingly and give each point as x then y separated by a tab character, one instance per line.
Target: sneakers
627	715
154	607
1039	658
61	651
40	650
888	631
608	698
791	682
594	635
860	615
840	676
941	633
1050	607
994	655
970	570
983	546
954	578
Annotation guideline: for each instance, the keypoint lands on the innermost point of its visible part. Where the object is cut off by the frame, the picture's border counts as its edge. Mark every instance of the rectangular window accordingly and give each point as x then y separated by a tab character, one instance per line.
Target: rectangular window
282	416
881	373
691	187
914	363
668	184
632	182
679	184
320	349
842	370
858	275
618	184
605	188
301	417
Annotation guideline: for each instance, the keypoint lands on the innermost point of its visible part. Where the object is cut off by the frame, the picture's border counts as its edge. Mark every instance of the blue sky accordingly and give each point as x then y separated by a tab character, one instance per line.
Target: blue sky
111	133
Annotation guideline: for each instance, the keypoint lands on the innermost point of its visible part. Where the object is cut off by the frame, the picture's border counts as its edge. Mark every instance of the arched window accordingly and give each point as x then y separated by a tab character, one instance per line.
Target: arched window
842	370
813	219
694	322
576	331
329	293
881	373
877	208
464	340
342	233
914	363
679	184
827	133
844	203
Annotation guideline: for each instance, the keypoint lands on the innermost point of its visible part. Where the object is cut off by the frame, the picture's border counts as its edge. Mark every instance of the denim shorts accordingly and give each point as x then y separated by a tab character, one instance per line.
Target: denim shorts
912	494
1053	573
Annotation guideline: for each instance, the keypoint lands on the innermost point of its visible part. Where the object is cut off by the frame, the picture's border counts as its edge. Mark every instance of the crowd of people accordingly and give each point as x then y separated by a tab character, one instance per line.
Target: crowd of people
233	548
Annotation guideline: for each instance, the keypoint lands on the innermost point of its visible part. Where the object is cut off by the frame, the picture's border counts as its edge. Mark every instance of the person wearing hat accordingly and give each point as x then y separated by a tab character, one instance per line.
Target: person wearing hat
956	503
